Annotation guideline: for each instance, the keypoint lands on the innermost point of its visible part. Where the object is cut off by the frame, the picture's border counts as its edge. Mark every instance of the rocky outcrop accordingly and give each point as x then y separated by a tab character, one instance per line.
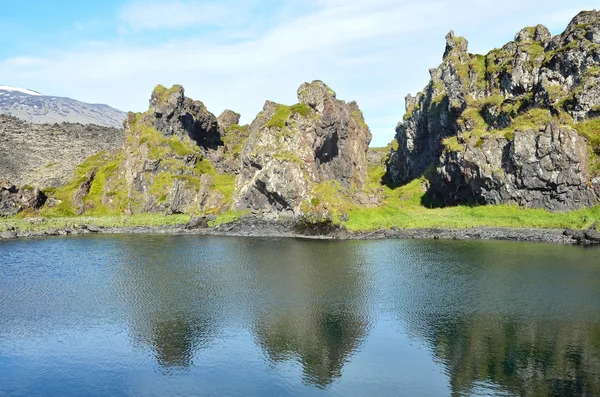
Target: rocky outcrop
176	114
540	169
15	199
292	149
46	155
166	163
480	124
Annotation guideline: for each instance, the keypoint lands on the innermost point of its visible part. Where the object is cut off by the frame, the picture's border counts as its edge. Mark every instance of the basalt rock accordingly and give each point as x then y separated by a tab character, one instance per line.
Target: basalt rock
292	149
480	124
538	169
176	114
15	199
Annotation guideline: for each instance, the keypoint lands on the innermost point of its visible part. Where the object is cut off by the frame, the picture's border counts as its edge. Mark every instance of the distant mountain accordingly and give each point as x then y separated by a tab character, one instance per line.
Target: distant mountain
34	107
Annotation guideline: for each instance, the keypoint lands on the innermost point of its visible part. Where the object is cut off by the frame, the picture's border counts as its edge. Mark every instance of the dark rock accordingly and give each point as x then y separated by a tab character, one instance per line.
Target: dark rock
592	235
227	119
175	114
546	169
197	223
575	234
14	199
82	191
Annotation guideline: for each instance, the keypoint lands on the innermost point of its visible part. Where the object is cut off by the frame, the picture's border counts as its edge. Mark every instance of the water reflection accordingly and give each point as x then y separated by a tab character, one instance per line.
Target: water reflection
515	319
189	315
304	301
524	359
169	304
315	308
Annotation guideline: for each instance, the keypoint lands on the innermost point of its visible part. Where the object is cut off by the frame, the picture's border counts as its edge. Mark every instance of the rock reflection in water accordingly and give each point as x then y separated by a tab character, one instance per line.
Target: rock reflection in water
520	319
170	303
316	309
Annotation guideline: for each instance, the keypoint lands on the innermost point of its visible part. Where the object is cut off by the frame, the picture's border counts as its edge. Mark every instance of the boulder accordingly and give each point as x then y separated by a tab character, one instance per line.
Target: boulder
15	199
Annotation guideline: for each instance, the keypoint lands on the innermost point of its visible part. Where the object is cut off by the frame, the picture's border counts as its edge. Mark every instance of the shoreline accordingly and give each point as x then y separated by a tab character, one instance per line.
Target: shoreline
262	228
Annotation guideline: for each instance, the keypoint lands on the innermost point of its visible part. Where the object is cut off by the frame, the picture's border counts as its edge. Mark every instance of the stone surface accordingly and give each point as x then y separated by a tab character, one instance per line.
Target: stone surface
461	124
291	149
45	155
539	169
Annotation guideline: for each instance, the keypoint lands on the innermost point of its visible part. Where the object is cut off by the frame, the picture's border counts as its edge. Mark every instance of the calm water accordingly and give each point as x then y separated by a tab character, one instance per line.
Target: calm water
167	315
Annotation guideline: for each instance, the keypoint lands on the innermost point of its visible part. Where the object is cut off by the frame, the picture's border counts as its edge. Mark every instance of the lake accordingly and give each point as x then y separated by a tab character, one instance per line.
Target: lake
144	315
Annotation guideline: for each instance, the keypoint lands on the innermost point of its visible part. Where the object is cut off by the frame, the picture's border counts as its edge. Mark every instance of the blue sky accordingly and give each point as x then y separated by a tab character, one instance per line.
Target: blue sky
238	53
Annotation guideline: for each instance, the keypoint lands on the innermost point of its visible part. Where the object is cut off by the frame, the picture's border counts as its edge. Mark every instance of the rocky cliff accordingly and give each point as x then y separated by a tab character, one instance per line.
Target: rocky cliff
518	125
293	151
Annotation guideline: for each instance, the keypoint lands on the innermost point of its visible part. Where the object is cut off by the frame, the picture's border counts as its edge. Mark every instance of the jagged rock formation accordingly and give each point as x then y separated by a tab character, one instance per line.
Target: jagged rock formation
166	163
46	155
15	199
293	149
487	126
179	158
34	107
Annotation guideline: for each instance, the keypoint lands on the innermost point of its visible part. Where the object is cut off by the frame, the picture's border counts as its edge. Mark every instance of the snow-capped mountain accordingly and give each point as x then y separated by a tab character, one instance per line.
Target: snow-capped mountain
34	107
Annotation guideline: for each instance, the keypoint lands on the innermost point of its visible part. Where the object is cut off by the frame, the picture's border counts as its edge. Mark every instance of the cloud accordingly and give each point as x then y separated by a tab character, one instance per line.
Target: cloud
154	15
374	52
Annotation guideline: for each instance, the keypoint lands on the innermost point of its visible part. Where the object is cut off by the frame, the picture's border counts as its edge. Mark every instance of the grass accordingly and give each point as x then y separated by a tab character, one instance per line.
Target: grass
283	113
227	217
403	208
28	223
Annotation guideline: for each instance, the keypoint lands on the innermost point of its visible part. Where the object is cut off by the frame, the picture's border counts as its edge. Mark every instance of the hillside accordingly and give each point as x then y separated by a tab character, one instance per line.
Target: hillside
34	107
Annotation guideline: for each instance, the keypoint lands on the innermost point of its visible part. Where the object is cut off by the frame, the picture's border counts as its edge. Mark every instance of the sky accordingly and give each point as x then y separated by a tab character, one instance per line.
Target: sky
235	54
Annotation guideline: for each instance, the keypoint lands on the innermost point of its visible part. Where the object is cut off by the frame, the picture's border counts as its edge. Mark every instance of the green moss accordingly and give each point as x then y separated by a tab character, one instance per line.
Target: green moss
225	184
302	109
404	207
452	144
104	164
227	217
509	135
162	93
286	155
280	117
179	147
590	129
161	185
358	117
53	223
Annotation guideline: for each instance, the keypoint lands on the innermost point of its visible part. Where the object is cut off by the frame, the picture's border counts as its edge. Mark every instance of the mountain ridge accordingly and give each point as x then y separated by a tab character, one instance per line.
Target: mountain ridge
34	107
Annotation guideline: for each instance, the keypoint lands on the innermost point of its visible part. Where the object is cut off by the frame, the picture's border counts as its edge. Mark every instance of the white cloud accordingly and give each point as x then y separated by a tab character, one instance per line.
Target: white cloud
374	52
153	15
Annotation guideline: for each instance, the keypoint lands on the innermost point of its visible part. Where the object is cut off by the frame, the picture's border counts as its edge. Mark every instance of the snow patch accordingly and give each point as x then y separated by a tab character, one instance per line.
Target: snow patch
17	89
